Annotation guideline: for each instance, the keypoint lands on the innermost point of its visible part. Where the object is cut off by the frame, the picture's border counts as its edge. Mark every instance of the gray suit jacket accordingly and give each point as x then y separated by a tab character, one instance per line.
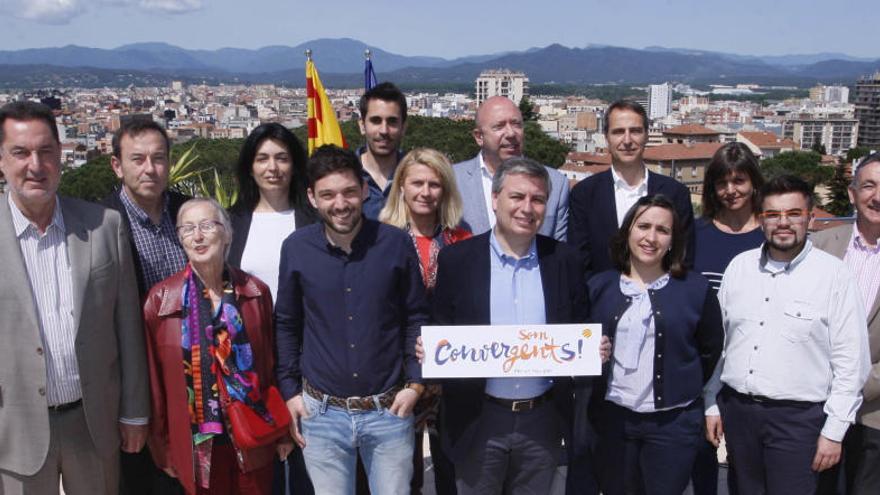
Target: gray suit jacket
470	185
109	340
835	241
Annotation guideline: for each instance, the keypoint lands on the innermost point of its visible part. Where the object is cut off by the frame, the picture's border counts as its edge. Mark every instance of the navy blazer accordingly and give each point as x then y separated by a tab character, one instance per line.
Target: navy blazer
461	297
241	224
593	216
688	333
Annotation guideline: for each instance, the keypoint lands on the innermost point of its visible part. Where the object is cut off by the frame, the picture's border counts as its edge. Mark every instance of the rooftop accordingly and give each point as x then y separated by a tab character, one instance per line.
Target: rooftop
669	152
763	139
691	130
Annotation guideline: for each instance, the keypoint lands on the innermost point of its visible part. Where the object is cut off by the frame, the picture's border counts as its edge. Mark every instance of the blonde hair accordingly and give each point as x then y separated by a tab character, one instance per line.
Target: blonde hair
449	211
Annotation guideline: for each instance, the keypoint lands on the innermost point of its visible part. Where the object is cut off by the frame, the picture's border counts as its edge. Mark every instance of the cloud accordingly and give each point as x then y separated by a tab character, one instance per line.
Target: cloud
62	11
171	6
45	11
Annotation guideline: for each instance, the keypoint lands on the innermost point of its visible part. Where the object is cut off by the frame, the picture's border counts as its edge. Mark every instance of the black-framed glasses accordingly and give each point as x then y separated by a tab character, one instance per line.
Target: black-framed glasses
205	227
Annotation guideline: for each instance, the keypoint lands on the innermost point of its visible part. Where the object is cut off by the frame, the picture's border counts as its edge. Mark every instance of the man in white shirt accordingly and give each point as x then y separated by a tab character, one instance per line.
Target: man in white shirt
796	352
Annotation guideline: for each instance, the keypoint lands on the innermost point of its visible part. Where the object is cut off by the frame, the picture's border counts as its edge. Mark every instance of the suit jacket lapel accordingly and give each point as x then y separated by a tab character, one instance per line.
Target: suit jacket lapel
481	277
14	270
549	280
80	254
473	192
837	247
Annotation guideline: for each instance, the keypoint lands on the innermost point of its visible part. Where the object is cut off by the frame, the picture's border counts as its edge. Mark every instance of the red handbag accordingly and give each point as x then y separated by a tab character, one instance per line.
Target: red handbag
249	429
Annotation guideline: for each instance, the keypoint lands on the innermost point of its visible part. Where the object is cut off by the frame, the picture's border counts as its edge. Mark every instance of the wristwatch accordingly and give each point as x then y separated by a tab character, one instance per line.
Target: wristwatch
418	387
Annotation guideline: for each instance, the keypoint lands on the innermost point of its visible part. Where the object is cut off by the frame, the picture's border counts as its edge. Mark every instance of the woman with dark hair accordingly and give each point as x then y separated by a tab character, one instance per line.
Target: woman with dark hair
729	226
271	202
665	323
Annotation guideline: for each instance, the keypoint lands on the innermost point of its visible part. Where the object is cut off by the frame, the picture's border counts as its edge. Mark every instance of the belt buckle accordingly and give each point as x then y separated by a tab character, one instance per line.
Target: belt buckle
521	405
348	403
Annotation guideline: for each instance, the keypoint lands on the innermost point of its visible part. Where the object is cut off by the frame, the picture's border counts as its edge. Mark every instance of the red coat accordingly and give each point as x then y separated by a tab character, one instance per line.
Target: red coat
170	437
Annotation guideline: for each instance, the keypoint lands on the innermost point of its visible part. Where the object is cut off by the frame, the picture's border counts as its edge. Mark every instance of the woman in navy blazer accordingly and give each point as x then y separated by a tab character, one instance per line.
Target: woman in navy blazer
666	326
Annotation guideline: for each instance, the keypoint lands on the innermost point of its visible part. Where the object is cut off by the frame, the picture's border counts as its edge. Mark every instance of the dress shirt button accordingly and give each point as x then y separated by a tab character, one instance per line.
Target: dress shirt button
350	317
766	299
657	312
658	377
761	323
756	348
659	355
659	398
351	345
355	375
799	313
348	289
660	334
751	371
41	391
615	317
39	351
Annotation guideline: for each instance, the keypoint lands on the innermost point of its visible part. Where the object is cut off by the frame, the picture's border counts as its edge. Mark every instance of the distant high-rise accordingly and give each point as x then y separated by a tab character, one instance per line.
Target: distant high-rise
829	94
659	100
867	102
502	82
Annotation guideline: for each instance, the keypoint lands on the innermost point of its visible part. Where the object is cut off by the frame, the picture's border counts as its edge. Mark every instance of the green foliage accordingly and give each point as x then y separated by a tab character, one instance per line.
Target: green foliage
804	164
91	182
222	189
857	153
819	148
527	109
838	197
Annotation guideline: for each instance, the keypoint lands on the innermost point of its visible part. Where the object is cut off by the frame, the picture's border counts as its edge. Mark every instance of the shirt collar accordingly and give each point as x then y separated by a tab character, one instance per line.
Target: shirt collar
765	257
136	211
858	242
532	255
20	223
619	183
483	168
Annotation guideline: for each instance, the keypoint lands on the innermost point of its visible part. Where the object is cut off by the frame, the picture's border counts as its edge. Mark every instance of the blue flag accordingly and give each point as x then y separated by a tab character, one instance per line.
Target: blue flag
369	75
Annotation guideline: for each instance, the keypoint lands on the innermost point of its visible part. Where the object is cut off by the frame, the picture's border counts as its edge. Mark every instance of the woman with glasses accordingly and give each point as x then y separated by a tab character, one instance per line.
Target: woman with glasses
207	323
425	202
665	323
729	226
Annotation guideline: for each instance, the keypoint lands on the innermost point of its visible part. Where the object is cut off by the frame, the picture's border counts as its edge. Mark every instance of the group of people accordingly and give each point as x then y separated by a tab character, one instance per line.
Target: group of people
316	283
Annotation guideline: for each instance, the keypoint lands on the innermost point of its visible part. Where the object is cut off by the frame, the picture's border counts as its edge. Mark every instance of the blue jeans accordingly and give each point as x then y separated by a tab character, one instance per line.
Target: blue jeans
334	436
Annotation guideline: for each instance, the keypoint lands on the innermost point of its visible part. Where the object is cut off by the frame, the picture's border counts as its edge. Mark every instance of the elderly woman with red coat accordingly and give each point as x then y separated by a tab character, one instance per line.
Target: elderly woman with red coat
207	323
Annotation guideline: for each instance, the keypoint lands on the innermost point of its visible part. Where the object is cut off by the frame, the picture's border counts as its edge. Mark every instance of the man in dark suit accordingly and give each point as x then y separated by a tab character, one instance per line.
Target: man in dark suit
599	202
505	433
142	161
73	385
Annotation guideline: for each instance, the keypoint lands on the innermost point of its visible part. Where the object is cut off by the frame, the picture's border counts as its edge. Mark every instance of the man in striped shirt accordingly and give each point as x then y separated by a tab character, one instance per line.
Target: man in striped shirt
73	385
859	246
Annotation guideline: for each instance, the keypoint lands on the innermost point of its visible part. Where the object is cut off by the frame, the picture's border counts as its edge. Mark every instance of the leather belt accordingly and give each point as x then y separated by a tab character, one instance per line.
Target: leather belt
770	401
521	405
65	407
356	403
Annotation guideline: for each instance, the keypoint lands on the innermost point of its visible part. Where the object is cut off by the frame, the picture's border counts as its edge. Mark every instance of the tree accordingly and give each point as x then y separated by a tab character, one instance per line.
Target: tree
856	153
804	164
838	196
527	109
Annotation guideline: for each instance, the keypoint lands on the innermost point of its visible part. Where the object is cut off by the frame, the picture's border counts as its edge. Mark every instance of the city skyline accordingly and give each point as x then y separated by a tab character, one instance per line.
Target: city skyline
449	29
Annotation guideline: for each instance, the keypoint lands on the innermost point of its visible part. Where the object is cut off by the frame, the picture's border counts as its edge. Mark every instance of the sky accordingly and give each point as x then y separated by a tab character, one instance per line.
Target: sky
451	28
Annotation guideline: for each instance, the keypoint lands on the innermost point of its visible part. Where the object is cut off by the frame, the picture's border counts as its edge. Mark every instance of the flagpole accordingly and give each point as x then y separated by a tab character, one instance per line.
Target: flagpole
309	55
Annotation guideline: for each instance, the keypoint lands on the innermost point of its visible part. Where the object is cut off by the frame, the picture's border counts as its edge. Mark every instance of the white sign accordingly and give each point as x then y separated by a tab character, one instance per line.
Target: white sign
492	351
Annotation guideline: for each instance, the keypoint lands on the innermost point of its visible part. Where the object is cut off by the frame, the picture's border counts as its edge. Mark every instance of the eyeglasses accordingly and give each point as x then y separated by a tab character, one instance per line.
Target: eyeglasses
794	215
206	227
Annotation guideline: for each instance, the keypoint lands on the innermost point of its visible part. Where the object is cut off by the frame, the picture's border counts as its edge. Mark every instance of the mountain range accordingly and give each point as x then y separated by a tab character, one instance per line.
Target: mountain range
341	64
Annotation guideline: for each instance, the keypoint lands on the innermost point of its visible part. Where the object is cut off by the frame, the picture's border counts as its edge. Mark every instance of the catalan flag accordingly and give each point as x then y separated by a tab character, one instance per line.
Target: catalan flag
323	126
369	75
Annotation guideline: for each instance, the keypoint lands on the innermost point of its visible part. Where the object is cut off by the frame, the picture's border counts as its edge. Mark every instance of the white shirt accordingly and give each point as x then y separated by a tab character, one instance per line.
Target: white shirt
262	251
48	268
486	177
794	331
625	196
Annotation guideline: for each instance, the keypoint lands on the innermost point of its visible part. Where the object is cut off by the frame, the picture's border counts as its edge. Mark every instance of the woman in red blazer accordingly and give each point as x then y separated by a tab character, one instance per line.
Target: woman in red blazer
206	323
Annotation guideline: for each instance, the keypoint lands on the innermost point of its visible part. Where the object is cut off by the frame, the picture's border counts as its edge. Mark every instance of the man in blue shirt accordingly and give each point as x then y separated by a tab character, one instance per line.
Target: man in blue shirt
506	433
351	304
383	125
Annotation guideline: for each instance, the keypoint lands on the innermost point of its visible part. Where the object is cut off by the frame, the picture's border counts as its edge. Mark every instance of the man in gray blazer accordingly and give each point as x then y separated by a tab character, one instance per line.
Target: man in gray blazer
859	246
74	375
499	133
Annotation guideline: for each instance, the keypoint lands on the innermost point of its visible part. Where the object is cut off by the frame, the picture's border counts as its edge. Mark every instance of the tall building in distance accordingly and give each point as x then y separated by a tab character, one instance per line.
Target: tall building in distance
502	82
867	102
829	94
659	100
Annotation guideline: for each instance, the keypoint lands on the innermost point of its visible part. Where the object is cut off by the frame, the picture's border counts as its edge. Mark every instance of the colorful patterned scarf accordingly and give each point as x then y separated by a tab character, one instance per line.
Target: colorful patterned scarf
214	343
442	238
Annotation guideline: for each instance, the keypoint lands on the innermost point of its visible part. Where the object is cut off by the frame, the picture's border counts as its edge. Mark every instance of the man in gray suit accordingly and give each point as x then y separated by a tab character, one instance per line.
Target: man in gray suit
499	133
74	376
859	246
